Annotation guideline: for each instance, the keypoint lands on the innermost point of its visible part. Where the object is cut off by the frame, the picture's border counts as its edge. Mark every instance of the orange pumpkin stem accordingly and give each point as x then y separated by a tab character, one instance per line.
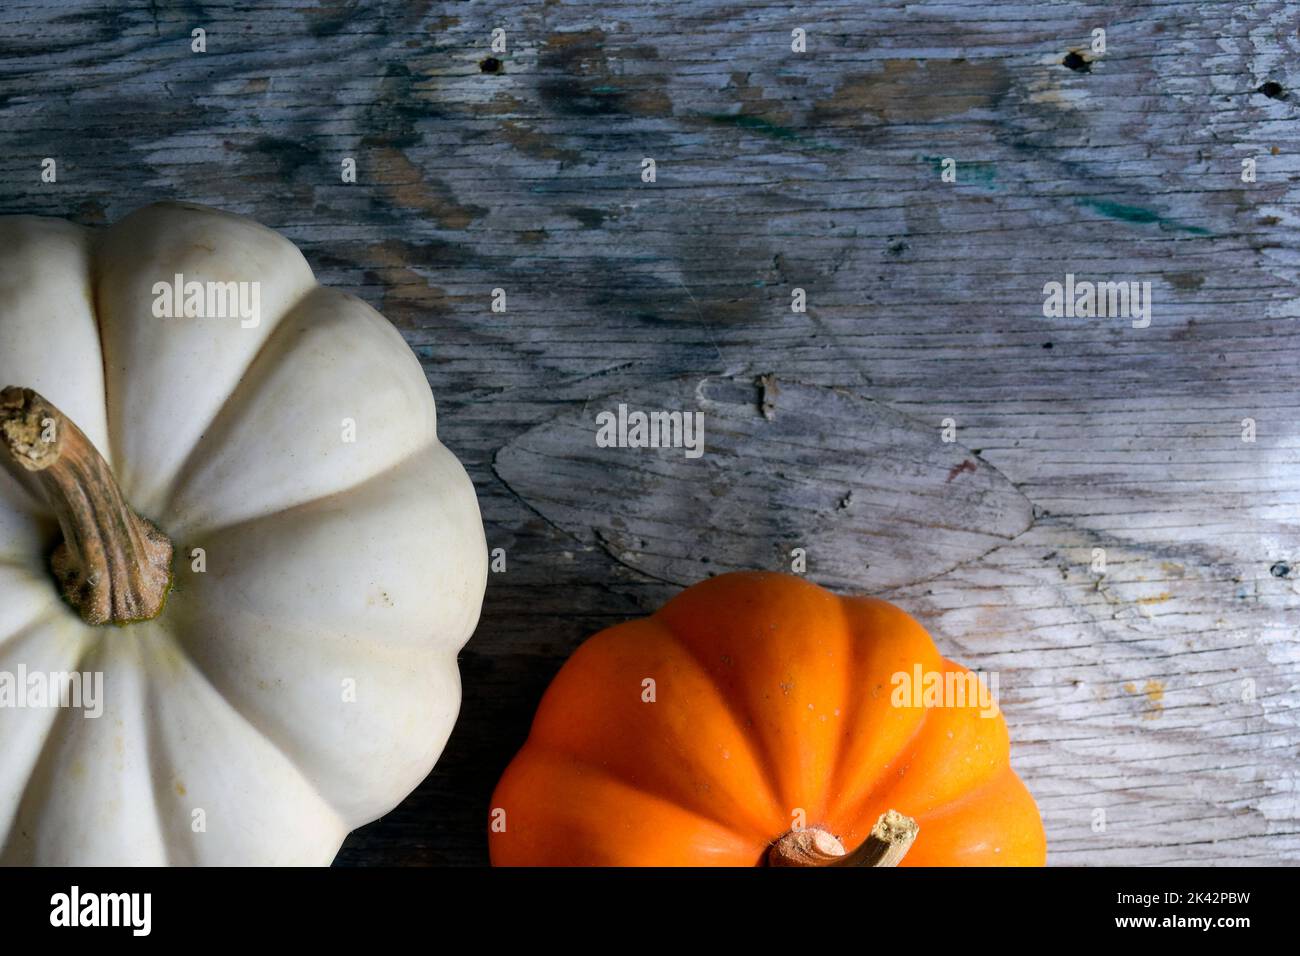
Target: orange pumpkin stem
113	566
888	843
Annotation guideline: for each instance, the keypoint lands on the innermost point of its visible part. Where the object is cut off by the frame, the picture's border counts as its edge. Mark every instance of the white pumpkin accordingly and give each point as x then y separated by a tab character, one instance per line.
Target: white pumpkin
301	677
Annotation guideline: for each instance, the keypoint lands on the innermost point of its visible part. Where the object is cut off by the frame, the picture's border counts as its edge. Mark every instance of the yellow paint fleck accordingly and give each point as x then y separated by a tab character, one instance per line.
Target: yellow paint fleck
1155	694
1155	691
1157	599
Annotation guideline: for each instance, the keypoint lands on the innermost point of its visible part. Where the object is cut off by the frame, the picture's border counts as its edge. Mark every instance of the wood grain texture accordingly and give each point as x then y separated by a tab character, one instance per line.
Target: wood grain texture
859	496
1164	691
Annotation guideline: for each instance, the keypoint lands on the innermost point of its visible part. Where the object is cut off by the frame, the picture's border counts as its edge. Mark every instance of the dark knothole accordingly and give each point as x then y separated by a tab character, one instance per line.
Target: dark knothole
1273	90
490	65
1077	61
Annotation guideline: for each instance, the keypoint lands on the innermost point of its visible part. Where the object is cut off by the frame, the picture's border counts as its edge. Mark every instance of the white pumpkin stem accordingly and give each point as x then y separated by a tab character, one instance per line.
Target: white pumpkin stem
887	844
113	566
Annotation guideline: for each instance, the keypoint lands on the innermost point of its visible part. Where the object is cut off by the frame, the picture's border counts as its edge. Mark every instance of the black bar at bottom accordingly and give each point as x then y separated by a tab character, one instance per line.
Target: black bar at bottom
439	905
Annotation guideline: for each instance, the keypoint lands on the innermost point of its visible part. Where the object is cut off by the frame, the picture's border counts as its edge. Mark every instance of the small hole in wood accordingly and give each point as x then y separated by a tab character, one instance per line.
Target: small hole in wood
490	65
1273	90
1076	61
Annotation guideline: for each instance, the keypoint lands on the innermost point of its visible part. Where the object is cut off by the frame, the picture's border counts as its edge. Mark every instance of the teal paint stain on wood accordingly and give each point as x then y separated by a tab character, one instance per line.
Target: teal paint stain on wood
1138	215
756	124
981	173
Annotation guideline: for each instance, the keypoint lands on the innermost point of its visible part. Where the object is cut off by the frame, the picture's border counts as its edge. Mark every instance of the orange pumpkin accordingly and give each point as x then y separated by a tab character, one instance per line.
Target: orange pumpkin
751	709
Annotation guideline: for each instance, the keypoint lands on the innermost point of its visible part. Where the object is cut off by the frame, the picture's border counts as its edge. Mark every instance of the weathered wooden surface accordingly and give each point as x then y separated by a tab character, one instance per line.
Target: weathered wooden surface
1126	692
861	496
